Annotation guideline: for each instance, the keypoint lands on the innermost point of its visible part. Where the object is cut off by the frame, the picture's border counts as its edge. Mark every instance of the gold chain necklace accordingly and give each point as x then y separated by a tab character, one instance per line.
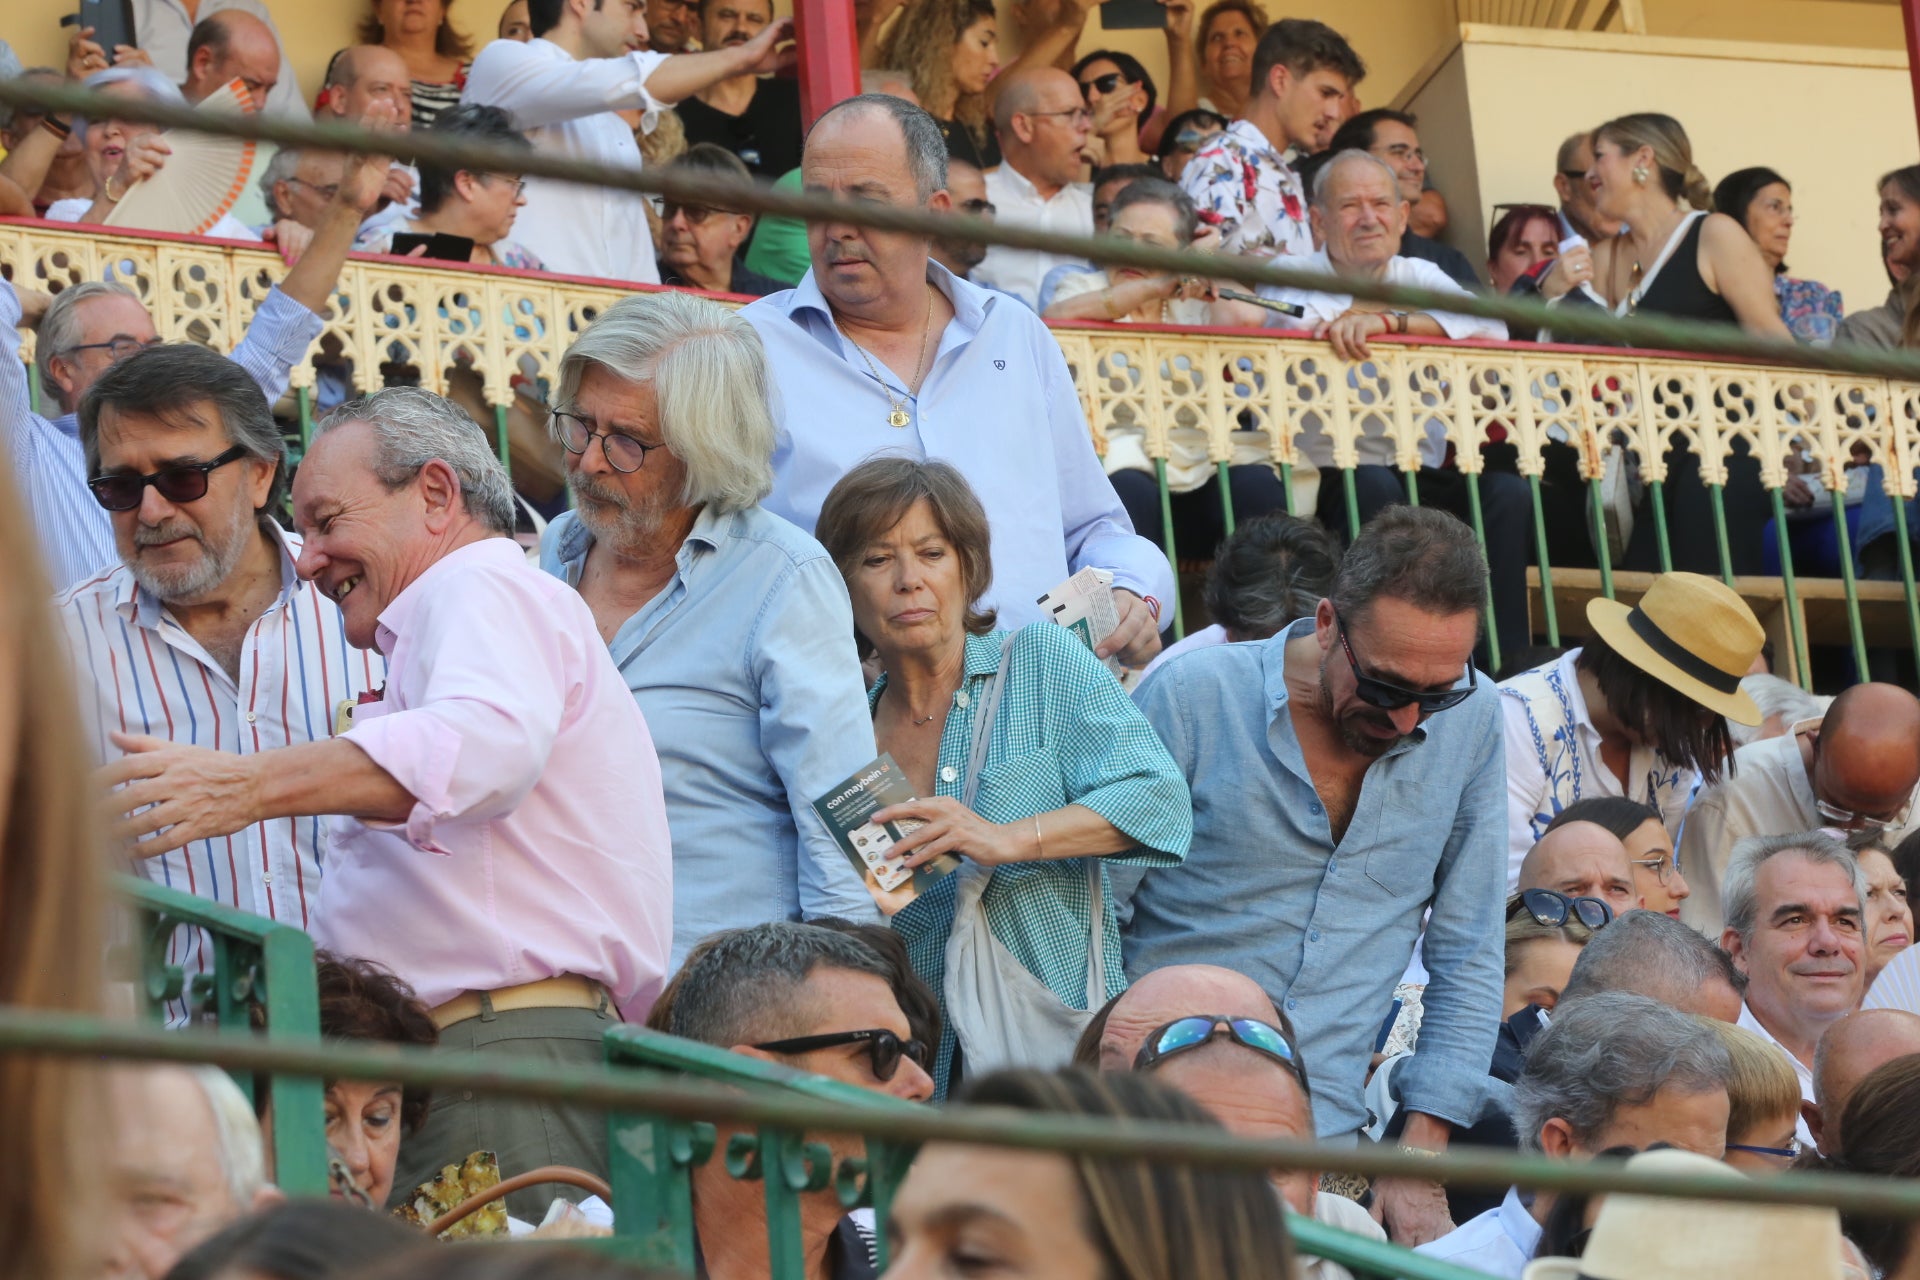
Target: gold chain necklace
899	416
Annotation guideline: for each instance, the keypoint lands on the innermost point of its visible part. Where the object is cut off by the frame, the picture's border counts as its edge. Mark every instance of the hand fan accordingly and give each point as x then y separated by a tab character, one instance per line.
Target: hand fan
200	181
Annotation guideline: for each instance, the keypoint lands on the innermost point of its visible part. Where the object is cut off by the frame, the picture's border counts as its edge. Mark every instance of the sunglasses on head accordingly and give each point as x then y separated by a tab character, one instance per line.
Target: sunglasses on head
1552	909
884	1049
1103	85
1197	1029
1388	696
184	482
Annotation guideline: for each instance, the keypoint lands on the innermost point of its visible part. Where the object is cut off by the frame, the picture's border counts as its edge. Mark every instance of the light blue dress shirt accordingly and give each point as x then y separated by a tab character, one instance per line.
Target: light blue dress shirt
49	464
745	669
1500	1242
997	402
1327	930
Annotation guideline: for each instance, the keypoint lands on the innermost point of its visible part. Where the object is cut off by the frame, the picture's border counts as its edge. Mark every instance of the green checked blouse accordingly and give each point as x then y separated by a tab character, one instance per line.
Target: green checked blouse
1066	734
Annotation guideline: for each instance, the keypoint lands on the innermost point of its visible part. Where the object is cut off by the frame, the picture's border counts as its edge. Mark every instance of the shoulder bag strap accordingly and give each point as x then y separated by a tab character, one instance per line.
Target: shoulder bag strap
983	718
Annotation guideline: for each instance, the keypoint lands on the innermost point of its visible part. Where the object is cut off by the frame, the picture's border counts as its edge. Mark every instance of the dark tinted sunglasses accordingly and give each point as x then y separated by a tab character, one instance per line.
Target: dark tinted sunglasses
1103	85
1195	1030
1553	909
884	1049
1391	697
186	482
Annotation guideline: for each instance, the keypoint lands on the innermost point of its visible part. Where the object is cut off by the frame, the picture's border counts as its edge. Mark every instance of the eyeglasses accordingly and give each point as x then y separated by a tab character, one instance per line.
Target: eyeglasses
327	192
696	214
1103	85
1551	910
1391	697
519	184
1663	868
884	1049
1848	820
182	483
1789	1152
119	348
1194	1030
978	208
623	453
1076	116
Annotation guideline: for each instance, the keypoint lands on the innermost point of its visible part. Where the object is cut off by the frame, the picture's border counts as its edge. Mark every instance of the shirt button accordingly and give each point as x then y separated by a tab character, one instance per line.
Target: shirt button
1313	808
948	774
961	700
1314	936
266	877
1293	1004
249	717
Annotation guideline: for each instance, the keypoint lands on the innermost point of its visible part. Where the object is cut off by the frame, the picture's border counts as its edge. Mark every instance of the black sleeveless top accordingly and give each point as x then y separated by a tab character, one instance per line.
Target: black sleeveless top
1677	289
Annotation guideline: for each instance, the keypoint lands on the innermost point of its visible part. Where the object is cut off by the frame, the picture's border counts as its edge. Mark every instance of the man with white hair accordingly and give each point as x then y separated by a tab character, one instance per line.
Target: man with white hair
186	1161
1795	908
500	840
731	627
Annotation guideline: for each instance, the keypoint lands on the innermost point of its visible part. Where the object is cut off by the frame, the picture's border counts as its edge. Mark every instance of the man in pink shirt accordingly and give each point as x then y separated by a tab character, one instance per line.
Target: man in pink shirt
499	838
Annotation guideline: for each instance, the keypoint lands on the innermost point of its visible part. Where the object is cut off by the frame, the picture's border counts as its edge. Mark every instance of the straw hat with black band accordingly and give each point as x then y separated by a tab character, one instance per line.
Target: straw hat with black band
1692	633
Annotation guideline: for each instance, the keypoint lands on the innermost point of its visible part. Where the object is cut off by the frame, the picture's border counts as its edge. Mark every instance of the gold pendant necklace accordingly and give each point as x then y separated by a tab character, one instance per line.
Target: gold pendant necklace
898	417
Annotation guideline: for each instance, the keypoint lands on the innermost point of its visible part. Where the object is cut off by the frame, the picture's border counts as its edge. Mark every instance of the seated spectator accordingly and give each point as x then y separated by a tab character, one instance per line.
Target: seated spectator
1783	704
1580	860
815	1000
968	190
300	1240
1524	238
1043	1212
121	153
1151	212
1654	955
912	542
1389	136
1795	906
230	45
1042	125
916	998
368	1119
1880	1120
951	49
513	22
1540	960
662	409
1227	47
756	118
1763	1103
1889	924
1182	139
45	162
186	1161
297	185
1108	183
1761	201
1114	1036
1856	769
470	204
1641	709
1120	95
699	244
1849	1051
360	76
1612	1070
673	26
1657	882
1269	573
436	54
1897	986
1883	326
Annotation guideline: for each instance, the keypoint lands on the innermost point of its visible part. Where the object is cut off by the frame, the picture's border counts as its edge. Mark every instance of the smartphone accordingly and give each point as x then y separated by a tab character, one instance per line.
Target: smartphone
1133	15
441	247
111	20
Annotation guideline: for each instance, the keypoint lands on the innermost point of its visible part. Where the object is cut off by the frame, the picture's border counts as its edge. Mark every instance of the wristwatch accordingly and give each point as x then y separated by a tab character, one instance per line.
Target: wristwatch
1397	321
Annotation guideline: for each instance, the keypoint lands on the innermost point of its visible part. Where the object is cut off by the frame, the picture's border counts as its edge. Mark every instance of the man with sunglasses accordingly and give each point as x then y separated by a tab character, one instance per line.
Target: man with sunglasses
1347	780
700	244
1856	768
1043	126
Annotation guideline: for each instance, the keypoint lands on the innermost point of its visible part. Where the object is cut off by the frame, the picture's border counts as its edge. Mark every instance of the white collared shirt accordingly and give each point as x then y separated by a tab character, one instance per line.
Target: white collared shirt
1499	1242
566	106
1800	1069
1068	211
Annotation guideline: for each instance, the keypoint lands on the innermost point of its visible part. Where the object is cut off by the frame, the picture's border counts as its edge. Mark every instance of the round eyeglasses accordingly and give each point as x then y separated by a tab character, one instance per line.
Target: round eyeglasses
623	453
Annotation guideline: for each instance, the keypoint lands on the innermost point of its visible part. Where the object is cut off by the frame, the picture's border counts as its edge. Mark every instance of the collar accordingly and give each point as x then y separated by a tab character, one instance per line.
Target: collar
393	619
68	424
547	49
1248	134
983	654
1023	186
971	303
141	607
1516	1221
572	538
1274	665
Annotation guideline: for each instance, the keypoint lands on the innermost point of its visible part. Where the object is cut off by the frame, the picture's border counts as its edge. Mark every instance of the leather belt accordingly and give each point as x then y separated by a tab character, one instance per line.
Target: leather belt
568	991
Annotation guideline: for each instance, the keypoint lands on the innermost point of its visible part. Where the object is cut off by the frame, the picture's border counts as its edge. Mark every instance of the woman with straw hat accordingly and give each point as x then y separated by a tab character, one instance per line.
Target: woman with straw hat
1641	710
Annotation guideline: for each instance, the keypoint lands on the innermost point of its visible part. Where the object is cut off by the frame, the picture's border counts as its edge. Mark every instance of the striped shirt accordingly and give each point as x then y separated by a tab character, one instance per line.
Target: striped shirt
49	464
140	671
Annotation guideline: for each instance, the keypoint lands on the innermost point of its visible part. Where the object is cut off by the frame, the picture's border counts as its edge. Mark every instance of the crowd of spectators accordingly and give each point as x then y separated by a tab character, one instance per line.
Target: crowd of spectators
521	789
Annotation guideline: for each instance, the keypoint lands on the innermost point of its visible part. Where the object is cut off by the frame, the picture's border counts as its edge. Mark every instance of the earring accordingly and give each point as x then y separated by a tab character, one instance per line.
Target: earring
1640	175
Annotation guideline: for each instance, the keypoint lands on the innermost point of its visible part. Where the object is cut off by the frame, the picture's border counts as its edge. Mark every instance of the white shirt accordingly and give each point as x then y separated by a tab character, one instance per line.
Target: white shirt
1068	211
164	29
1323	307
1805	1073
1898	986
1205	638
1499	1242
566	107
1338	1211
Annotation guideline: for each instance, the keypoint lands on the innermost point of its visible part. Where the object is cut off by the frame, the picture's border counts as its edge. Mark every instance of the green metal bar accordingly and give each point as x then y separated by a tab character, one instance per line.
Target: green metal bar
1353	503
33	387
1546	570
1413	487
1906	572
1286	493
1720	533
1600	546
500	436
1658	491
1854	627
1480	532
1226	495
303	396
788	1166
1366	1257
1166	534
1796	624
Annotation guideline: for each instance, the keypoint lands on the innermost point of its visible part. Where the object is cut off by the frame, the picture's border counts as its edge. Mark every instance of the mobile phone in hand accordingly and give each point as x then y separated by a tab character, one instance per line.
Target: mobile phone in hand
440	246
111	20
1133	15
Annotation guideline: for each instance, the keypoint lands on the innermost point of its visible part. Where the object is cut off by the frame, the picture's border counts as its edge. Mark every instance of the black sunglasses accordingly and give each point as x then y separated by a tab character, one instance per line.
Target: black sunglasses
978	208
186	482
884	1049
1103	85
1197	1029
1391	697
1553	909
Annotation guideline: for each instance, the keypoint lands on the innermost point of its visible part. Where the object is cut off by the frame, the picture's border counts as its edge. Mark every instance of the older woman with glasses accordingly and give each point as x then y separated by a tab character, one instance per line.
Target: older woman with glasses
1032	763
466	204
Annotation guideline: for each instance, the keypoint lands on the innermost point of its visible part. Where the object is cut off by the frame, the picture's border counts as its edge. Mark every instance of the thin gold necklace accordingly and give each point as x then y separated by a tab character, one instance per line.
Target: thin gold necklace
899	416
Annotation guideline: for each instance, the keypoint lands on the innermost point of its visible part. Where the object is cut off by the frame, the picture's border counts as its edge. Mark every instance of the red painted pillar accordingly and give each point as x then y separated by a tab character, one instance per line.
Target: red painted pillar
830	54
1910	20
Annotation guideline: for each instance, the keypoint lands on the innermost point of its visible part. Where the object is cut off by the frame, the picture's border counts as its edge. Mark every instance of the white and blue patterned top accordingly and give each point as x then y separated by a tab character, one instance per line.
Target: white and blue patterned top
1553	759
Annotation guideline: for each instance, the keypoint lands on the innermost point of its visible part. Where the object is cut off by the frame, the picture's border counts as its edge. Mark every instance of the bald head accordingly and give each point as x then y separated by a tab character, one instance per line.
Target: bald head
1252	1096
1042	123
1176	992
364	74
231	45
1849	1051
1867	758
1581	860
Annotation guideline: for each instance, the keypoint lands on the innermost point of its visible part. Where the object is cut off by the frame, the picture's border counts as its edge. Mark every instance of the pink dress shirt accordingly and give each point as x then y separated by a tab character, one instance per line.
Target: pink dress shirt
538	846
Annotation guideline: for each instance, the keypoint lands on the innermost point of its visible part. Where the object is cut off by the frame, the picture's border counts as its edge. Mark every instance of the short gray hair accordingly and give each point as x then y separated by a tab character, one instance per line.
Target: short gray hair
411	428
1776	697
1186	219
243	1163
708	368
926	149
1739	897
744	986
153	85
60	327
279	169
1651	954
1323	179
1611	1051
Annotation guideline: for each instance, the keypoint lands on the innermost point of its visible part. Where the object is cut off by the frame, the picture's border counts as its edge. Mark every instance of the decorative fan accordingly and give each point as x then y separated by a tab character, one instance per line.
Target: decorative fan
200	181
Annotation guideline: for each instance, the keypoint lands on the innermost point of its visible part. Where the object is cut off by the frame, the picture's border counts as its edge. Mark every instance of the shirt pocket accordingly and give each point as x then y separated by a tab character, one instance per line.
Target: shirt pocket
1408	836
1019	786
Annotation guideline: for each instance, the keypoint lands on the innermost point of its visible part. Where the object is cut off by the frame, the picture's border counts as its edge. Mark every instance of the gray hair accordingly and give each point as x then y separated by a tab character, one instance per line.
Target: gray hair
744	986
60	327
153	86
1651	954
411	428
926	149
243	1163
1611	1051
708	368
1776	697
1739	898
1323	179
1274	569
279	169
1186	220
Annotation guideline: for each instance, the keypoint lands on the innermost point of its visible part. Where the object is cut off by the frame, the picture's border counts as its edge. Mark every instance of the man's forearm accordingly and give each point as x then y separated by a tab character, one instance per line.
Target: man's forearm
685	74
331	777
1427	1132
25	170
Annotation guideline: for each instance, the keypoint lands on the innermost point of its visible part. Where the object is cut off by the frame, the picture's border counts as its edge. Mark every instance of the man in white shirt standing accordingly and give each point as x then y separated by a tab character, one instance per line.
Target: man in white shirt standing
1043	127
564	88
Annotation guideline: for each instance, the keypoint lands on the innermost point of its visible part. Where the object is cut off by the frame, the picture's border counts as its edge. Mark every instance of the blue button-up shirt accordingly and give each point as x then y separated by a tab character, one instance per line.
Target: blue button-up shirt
745	669
997	402
1327	929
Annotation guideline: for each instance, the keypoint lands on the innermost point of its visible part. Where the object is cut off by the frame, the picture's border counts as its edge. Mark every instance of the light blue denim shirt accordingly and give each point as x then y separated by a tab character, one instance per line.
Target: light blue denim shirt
1327	930
745	669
